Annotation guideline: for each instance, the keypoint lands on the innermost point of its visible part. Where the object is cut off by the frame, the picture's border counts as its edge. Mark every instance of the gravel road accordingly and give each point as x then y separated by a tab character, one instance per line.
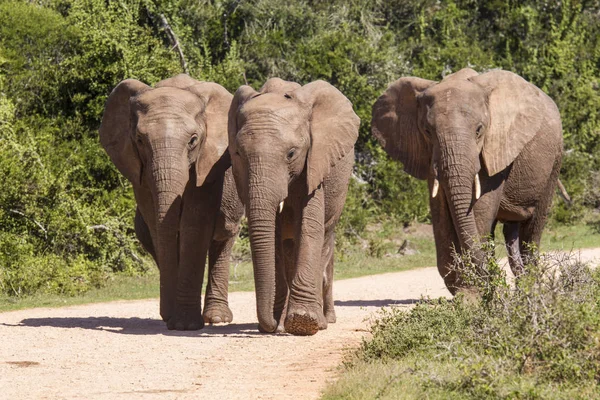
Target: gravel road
121	350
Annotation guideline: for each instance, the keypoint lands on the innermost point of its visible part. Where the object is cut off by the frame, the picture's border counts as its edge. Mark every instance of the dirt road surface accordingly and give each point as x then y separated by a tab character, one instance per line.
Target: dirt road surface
121	350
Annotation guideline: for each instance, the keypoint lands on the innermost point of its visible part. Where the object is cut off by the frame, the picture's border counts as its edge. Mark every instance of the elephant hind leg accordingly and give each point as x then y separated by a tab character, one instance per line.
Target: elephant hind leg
530	232
143	234
511	236
216	305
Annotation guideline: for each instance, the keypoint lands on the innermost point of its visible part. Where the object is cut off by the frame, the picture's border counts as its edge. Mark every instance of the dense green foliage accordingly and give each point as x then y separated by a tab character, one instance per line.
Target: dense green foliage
536	341
65	212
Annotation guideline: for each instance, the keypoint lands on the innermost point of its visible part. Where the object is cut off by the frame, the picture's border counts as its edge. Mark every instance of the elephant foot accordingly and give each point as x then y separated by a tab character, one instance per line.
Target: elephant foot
280	329
186	320
166	313
330	316
217	314
303	322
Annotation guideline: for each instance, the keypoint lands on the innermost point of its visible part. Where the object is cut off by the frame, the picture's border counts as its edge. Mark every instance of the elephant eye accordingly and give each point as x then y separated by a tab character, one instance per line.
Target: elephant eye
290	154
193	142
479	130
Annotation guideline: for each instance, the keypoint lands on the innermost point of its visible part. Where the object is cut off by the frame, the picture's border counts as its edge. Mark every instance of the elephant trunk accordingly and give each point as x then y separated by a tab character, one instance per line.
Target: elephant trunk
462	186
460	197
169	179
262	207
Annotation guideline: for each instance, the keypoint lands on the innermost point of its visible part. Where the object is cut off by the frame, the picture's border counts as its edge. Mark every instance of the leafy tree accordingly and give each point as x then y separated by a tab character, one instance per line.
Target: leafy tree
66	213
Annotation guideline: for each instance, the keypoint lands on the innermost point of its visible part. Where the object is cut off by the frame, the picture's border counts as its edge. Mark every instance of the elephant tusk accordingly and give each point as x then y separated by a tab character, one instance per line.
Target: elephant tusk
477	187
436	186
280	206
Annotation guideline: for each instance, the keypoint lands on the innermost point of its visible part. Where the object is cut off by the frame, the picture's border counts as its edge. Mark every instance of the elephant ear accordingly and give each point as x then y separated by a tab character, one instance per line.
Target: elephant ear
395	125
242	95
517	110
333	129
212	157
116	129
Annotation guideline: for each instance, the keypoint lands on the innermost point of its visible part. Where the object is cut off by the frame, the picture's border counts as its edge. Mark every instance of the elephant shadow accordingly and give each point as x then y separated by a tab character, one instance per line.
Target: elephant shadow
140	326
379	303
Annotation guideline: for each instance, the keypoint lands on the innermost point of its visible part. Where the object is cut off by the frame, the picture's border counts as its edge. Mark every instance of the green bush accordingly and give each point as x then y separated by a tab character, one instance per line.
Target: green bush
59	60
63	230
537	338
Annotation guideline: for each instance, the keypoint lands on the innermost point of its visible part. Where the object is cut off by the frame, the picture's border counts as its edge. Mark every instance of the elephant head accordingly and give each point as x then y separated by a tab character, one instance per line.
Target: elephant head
453	131
277	136
162	139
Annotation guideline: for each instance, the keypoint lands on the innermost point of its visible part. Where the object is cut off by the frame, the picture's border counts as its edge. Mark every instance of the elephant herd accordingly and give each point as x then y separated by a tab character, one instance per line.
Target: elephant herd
198	158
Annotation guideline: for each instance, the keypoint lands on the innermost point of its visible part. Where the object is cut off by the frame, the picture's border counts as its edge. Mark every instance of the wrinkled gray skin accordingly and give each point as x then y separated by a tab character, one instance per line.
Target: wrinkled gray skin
294	145
170	142
494	125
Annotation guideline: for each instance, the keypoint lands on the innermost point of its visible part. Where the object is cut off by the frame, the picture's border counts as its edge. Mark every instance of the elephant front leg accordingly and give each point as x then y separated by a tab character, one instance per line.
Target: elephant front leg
305	306
284	260
216	305
188	310
227	226
195	235
143	234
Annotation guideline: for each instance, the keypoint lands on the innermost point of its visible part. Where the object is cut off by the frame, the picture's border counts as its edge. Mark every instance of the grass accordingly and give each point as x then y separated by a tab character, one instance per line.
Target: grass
568	237
535	340
120	287
415	378
385	247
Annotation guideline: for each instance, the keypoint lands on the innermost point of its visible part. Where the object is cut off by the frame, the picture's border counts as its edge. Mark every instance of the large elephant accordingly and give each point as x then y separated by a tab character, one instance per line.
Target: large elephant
170	142
490	146
292	152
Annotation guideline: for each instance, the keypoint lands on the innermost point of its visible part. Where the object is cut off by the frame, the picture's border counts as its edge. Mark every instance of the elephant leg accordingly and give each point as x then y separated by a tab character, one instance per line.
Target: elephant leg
530	234
216	305
305	306
283	257
327	257
195	235
511	236
493	232
143	233
194	248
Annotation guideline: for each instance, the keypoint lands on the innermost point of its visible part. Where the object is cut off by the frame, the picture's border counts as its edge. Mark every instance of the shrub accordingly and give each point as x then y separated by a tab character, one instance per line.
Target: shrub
541	332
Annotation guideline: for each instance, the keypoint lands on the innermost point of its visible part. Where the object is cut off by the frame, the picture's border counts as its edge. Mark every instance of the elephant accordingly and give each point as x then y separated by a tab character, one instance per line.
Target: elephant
490	147
292	151
170	142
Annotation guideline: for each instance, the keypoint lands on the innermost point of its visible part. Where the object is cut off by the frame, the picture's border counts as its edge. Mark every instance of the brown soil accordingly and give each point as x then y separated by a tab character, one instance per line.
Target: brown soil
121	350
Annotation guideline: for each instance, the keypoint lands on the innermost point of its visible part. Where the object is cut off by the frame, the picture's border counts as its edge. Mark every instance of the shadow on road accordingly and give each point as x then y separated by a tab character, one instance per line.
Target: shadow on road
139	326
378	303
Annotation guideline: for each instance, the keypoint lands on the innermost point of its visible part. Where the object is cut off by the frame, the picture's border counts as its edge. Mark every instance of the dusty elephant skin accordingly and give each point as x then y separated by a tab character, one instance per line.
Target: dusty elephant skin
292	152
170	142
490	146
